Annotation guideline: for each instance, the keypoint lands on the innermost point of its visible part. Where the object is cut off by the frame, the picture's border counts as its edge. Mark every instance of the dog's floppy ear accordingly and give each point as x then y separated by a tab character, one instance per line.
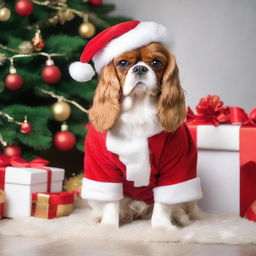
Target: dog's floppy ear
106	106
171	103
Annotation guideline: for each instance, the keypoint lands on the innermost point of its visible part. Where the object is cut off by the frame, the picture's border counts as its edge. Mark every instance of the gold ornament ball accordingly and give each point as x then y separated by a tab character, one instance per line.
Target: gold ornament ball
87	30
61	111
5	14
74	183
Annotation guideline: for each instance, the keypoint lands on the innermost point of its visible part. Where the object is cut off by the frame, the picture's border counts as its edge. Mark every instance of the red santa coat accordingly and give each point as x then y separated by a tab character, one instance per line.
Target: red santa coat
173	179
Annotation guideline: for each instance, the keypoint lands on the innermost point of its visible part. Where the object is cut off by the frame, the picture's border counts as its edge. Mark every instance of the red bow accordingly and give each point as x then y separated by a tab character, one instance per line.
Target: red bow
17	161
210	110
238	116
4	160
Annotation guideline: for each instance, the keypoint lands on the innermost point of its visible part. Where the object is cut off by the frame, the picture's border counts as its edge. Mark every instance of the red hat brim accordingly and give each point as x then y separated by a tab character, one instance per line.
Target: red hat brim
99	42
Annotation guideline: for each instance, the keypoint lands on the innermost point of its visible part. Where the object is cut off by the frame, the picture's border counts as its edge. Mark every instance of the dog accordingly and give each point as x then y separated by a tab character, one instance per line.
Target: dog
140	159
139	94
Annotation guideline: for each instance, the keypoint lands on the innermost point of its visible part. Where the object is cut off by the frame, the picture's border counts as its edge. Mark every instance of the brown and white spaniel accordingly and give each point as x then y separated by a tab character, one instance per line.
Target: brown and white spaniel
139	154
139	95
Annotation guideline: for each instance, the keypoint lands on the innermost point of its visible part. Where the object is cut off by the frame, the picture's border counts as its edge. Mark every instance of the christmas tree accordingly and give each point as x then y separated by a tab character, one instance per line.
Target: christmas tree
40	105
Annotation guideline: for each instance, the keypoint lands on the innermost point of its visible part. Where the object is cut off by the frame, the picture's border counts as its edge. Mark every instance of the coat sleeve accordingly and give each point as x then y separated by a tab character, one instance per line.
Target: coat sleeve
102	178
177	181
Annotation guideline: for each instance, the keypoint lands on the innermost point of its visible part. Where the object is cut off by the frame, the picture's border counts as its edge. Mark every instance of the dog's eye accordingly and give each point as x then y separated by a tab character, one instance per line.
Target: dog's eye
156	63
123	64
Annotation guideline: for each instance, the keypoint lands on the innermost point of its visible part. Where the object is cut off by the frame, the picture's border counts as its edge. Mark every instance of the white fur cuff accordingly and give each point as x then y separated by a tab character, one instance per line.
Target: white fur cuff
179	193
101	191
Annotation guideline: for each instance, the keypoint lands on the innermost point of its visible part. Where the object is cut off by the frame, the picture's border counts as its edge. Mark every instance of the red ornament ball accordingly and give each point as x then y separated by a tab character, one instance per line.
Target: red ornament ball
13	81
12	151
24	7
25	127
64	140
51	74
96	2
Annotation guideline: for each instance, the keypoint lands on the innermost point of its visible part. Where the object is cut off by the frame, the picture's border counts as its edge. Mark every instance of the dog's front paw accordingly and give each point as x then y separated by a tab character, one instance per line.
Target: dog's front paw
110	223
110	216
162	224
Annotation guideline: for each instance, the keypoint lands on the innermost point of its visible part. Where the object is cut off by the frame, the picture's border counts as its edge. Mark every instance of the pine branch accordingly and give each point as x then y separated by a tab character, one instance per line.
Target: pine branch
35	140
9	118
61	98
8	49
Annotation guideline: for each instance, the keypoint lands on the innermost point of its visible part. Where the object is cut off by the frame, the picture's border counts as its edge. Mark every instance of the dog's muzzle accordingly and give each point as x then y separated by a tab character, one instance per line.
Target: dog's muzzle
140	70
140	78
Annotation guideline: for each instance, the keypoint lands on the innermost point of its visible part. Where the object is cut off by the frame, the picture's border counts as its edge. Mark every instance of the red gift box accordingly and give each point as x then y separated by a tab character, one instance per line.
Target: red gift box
226	141
52	205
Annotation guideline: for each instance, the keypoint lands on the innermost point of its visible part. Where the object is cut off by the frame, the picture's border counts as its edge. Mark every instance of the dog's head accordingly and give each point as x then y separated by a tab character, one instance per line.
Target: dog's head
149	69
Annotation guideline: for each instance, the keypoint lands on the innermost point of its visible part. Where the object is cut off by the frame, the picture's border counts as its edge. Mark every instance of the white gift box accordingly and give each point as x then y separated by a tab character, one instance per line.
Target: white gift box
219	169
20	183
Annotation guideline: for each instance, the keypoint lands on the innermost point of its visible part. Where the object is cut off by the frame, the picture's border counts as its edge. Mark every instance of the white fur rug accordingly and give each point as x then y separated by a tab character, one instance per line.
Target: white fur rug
214	228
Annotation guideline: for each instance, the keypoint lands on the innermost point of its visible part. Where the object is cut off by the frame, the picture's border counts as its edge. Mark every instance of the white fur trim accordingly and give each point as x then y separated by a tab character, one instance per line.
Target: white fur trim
129	136
101	191
179	193
134	155
81	72
143	34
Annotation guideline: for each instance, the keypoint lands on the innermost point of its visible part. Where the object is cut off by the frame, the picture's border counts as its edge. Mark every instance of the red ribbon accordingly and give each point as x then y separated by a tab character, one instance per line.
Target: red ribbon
57	198
2	201
1	210
4	161
17	161
210	111
238	116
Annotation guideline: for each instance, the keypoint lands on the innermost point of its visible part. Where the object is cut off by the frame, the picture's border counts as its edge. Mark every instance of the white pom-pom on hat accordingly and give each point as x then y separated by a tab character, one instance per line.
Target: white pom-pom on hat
81	72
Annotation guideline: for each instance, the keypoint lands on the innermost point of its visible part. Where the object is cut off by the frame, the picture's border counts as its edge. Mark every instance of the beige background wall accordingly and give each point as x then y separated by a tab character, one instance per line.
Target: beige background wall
214	42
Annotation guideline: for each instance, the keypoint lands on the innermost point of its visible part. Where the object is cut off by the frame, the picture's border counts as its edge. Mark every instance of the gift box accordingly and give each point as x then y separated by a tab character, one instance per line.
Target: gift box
24	178
226	142
2	201
52	205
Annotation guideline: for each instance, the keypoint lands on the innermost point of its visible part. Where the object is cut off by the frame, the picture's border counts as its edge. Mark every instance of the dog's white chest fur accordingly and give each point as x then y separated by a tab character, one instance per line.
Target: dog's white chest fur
129	136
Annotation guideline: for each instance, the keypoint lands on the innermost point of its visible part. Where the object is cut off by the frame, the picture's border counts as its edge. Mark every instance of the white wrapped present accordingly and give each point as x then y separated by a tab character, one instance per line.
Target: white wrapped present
21	182
226	155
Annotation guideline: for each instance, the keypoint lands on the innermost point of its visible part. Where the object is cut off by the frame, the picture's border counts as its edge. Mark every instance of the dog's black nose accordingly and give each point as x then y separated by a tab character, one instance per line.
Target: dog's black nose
140	69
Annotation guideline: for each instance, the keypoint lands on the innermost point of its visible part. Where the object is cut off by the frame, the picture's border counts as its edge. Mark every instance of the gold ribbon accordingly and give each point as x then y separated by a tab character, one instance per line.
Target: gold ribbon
42	206
2	196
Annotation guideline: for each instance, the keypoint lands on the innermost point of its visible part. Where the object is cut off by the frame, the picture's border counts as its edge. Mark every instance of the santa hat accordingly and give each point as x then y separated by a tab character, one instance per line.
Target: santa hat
112	42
